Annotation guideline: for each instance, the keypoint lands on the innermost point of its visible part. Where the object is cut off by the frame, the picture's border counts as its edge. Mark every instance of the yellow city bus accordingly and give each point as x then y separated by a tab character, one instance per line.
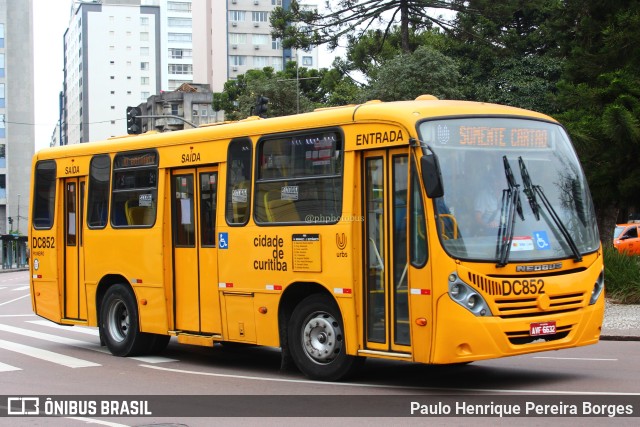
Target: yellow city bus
336	235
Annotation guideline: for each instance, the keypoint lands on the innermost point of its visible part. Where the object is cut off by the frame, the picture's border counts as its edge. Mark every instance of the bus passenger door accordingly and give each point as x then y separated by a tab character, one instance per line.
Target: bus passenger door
195	272
75	306
386	296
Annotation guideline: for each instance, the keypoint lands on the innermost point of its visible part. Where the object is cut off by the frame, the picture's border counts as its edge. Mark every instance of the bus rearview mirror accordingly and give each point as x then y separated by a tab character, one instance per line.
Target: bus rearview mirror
431	176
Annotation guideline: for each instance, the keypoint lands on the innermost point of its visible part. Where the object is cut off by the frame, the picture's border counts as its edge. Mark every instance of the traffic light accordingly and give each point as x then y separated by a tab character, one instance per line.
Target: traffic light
134	122
10	220
261	106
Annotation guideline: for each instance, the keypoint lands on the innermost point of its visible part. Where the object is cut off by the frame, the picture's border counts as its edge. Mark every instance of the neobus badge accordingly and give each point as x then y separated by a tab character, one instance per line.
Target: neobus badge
539	267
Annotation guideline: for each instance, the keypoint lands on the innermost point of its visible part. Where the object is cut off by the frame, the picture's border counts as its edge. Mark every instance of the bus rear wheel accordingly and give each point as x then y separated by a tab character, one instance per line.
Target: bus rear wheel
317	341
119	325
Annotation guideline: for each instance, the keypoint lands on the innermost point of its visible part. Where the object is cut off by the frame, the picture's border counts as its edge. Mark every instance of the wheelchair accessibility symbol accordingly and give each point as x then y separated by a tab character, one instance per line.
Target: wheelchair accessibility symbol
541	239
223	240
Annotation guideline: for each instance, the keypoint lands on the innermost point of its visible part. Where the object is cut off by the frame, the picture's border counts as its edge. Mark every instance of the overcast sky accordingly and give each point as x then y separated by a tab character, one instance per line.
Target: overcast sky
50	20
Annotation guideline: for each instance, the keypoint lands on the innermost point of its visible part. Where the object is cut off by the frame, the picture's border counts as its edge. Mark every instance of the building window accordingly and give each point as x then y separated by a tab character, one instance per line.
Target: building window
276	2
144	81
179	37
260	61
1	35
179	22
237	15
276	43
3	156
144	21
260	16
260	39
2	104
237	38
175	53
144	96
237	60
1	64
307	61
144	66
144	37
144	51
178	7
180	69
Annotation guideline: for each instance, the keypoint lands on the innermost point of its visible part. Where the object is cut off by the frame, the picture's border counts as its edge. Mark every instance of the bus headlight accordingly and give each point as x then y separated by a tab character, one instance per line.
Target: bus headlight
597	289
467	297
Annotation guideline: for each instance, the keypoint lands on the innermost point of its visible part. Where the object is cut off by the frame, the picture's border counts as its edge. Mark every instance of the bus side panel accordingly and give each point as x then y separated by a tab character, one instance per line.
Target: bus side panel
151	309
47	300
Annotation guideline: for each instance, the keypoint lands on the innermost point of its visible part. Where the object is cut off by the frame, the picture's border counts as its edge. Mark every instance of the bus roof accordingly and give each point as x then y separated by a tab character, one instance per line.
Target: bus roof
405	112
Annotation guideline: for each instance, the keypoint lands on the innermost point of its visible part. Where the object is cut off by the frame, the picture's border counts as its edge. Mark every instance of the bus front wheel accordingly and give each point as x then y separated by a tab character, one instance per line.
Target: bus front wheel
119	324
316	340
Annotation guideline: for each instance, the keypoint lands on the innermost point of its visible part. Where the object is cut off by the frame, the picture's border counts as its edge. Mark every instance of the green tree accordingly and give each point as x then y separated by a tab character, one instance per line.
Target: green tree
302	28
508	51
600	98
408	75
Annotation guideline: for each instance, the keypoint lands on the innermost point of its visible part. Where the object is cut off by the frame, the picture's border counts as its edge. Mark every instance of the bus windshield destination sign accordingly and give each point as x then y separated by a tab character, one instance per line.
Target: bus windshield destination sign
454	135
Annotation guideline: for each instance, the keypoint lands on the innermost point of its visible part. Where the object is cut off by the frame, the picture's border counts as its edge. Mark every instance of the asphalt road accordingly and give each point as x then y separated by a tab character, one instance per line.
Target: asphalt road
245	385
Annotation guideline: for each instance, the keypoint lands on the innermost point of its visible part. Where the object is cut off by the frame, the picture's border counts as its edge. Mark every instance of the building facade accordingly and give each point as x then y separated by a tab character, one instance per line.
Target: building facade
236	37
112	59
16	126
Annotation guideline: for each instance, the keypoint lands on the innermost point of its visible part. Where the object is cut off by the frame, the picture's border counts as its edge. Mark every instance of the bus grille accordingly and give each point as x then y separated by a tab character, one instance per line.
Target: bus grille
523	337
528	307
488	286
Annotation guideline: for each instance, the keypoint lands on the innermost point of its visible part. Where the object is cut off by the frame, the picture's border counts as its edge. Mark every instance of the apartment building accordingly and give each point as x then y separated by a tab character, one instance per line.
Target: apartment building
237	38
16	126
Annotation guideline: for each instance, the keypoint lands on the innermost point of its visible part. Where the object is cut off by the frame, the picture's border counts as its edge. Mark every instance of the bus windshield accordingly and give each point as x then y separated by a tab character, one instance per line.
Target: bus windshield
513	190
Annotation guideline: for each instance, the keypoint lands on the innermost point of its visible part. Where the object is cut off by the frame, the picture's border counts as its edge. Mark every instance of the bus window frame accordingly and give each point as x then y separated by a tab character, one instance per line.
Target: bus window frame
154	190
293	178
90	191
228	192
51	204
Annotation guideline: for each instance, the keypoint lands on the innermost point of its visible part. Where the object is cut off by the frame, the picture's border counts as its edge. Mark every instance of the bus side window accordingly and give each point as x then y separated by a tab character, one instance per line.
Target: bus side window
238	181
44	194
98	202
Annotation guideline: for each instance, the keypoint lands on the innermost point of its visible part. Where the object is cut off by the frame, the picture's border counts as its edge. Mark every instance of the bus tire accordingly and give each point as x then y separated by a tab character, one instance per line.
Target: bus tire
316	340
119	323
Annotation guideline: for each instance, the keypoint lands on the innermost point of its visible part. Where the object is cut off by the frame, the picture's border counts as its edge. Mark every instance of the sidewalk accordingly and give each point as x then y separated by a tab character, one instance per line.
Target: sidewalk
621	322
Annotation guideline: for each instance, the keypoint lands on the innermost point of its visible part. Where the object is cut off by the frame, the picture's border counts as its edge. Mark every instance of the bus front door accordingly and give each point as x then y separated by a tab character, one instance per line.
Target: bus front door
194	196
385	229
75	306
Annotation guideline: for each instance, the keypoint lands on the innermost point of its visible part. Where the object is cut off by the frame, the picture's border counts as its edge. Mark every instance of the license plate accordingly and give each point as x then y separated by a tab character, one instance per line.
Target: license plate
542	328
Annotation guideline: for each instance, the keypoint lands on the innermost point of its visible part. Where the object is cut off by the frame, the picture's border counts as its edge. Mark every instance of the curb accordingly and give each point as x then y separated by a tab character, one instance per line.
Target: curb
619	338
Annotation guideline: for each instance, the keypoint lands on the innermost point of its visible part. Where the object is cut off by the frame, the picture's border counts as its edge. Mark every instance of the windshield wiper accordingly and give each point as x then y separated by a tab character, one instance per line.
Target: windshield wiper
510	205
528	189
537	190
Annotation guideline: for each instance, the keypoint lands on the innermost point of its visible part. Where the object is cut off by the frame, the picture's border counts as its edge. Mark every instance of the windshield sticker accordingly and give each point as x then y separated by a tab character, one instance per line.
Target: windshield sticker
522	243
542	241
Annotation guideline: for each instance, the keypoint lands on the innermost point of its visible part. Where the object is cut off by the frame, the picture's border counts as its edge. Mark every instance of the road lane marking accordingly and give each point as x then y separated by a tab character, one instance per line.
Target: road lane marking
439	389
83	330
76	343
100	422
52	338
153	359
49	356
15	299
20	288
18	315
588	359
7	368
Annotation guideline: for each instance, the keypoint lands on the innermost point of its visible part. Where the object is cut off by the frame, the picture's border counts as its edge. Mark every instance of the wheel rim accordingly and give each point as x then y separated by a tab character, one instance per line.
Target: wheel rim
118	320
322	337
